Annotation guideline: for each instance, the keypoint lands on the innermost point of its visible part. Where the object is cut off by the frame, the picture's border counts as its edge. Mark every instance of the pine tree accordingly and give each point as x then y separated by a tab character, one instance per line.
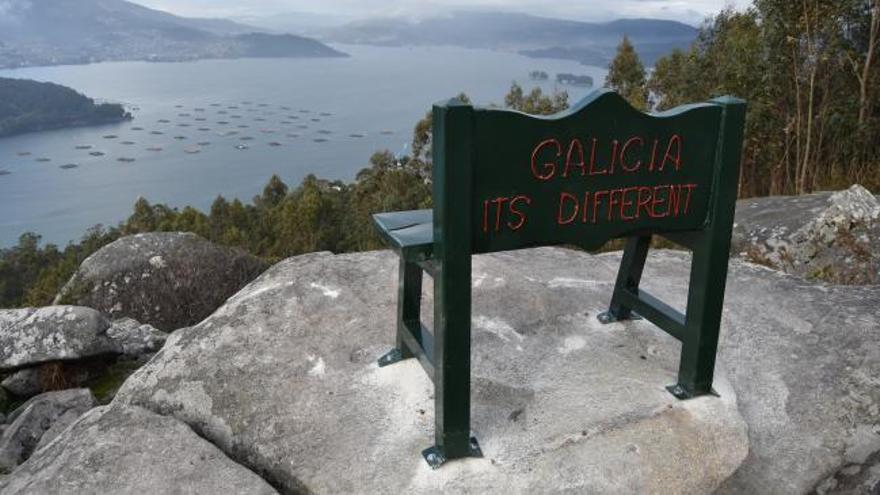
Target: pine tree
626	75
423	137
273	193
143	219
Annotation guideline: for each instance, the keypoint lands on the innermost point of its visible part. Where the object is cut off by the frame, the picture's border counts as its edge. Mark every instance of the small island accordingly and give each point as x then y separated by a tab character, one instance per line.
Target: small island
30	106
538	75
574	80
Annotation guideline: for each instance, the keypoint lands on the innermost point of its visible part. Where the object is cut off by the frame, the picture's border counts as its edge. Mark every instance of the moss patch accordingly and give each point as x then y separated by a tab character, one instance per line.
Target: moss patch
105	386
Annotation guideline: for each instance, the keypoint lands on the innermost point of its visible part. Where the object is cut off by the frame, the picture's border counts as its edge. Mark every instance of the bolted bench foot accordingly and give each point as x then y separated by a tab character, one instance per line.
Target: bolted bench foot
682	393
436	458
610	317
393	356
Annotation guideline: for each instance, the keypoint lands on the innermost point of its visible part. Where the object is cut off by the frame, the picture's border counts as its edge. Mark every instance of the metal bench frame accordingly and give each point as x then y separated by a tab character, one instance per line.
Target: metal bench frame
438	242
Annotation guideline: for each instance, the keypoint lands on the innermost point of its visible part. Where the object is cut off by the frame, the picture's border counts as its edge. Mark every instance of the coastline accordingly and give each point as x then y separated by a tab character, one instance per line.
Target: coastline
128	117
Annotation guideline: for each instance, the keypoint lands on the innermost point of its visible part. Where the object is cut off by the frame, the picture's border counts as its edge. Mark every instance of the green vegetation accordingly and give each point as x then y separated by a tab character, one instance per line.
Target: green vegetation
626	75
809	73
536	102
27	106
107	380
807	69
317	215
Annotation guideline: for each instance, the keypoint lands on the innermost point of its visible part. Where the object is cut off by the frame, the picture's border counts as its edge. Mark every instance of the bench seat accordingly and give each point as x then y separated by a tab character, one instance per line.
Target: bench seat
411	233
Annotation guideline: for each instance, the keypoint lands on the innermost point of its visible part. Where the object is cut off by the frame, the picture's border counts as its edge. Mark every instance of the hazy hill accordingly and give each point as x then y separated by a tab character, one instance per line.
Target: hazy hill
588	42
46	32
304	23
27	106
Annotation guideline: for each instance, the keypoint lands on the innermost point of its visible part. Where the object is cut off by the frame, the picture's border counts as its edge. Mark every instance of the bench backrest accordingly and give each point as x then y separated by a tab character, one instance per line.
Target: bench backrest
602	170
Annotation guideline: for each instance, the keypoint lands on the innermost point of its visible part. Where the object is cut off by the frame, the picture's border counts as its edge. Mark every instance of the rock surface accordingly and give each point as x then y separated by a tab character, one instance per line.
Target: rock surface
130	450
854	479
804	362
134	338
168	280
23	383
32	336
284	379
833	237
46	414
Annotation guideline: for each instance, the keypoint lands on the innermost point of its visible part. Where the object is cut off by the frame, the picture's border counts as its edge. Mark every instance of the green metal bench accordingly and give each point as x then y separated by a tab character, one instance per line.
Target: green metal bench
505	180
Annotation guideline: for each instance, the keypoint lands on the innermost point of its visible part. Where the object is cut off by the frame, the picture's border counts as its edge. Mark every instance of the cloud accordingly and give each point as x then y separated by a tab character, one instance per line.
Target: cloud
12	10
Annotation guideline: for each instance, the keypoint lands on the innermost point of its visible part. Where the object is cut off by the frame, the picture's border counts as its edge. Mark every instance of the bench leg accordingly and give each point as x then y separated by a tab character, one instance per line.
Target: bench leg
709	266
452	364
703	322
628	277
409	300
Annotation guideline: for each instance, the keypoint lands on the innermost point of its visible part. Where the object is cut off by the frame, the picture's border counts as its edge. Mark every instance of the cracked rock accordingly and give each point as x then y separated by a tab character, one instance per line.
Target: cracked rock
129	450
833	237
33	336
284	379
44	414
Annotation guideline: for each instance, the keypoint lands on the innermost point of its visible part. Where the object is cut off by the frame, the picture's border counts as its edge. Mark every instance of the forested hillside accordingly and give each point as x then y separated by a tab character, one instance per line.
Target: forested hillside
809	72
27	106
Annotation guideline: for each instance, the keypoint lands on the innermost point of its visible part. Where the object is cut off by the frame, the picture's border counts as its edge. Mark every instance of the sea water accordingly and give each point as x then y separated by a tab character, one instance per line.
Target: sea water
223	127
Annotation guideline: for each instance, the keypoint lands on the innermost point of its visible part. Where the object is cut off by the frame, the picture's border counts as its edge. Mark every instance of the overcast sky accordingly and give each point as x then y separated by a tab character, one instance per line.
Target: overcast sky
690	11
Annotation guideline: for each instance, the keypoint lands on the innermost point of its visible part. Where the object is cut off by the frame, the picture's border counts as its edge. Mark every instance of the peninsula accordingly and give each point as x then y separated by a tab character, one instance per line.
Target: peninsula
29	106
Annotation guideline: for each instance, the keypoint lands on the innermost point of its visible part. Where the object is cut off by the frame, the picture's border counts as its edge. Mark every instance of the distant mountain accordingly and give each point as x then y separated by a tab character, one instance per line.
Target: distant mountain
588	42
304	23
49	32
27	106
601	55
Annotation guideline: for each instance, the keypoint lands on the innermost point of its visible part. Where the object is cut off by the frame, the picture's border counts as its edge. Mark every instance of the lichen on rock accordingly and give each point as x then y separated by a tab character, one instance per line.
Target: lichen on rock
166	279
130	450
833	237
